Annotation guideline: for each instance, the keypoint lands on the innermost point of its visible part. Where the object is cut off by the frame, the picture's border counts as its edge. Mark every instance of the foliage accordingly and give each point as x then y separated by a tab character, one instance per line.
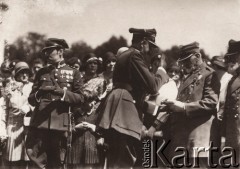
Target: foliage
112	45
26	48
78	49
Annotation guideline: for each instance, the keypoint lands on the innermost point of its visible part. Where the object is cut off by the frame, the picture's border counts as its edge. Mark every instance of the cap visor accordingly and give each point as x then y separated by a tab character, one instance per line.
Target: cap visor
153	43
219	64
229	54
182	59
49	47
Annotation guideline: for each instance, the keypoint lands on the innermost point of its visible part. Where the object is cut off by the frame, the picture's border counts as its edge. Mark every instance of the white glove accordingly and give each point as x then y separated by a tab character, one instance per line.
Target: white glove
174	105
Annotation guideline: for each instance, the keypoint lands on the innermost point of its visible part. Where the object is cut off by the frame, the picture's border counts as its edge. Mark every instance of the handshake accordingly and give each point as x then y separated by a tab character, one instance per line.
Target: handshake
50	89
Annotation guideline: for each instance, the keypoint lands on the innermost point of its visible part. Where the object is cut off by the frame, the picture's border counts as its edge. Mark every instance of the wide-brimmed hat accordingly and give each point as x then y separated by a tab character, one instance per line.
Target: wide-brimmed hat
188	50
55	43
233	51
233	47
144	34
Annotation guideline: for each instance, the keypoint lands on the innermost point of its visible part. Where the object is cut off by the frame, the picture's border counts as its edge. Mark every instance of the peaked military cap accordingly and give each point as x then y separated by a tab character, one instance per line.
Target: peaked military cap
219	61
186	51
141	34
55	43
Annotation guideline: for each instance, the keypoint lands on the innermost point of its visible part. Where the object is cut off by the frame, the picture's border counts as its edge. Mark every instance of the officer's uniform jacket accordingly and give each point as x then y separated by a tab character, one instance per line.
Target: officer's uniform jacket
122	108
195	127
51	111
231	116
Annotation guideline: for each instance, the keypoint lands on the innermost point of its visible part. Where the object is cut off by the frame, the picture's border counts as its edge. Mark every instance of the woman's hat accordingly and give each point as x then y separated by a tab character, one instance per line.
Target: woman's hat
20	66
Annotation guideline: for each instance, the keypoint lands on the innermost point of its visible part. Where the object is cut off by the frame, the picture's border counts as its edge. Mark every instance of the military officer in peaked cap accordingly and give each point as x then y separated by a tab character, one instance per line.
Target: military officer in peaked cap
194	112
231	117
121	119
56	88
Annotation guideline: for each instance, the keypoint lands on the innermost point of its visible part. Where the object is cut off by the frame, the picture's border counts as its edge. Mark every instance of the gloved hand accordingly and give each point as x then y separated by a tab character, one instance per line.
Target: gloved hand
174	105
150	132
100	141
80	126
90	126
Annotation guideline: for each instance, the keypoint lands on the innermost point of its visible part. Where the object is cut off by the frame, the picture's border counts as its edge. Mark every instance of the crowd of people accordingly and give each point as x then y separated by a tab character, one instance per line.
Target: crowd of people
55	116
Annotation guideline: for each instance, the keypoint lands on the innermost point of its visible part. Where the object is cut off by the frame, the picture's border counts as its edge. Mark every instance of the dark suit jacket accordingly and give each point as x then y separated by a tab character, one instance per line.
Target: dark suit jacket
51	112
231	116
122	109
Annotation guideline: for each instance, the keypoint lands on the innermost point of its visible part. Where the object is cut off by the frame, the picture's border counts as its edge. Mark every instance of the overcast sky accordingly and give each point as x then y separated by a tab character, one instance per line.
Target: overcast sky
210	22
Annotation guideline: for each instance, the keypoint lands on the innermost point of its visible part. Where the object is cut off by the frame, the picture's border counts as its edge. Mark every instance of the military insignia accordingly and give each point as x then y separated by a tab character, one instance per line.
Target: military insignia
198	79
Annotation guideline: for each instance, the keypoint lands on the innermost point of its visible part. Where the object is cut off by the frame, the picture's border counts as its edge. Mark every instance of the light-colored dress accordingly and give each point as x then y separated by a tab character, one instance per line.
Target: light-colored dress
17	107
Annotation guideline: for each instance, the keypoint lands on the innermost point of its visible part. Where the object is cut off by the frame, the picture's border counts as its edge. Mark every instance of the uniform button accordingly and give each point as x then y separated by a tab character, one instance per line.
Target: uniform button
56	70
68	85
236	106
188	101
44	78
134	101
56	80
236	116
192	85
56	74
53	99
189	93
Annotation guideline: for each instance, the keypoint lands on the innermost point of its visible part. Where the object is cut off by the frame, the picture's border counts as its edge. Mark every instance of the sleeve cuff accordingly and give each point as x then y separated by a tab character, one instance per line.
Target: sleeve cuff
157	124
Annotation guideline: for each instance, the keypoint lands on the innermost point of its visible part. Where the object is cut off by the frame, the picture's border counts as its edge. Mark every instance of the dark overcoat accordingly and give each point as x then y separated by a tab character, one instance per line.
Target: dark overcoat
196	126
51	111
231	116
122	108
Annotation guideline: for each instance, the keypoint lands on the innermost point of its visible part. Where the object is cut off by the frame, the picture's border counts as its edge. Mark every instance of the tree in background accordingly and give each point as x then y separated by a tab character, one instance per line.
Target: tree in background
26	48
112	45
78	49
29	46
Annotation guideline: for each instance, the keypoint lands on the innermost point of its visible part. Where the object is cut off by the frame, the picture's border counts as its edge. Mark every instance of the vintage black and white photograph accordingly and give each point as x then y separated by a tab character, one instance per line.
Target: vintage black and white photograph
119	84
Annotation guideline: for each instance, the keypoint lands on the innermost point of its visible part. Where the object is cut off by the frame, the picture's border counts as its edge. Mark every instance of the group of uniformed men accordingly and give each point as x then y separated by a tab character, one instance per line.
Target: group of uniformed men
192	120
